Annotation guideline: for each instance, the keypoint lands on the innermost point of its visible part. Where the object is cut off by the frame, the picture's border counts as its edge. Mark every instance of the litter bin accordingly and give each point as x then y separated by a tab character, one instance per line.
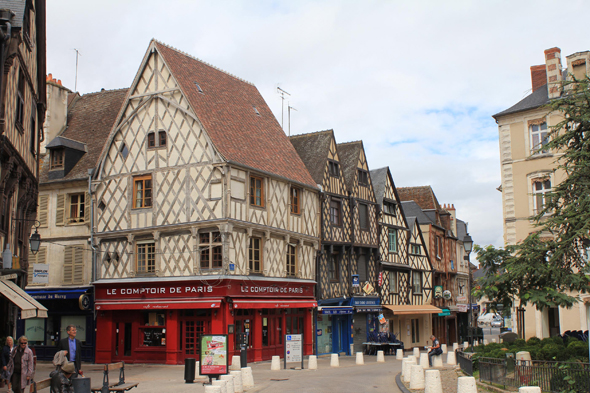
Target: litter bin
81	384
190	366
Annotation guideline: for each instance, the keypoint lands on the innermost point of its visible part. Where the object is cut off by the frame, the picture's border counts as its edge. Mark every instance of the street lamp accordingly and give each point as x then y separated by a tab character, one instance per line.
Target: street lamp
468	246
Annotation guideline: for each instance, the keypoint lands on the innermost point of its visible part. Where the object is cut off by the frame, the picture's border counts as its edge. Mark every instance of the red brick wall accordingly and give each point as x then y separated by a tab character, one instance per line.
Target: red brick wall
538	76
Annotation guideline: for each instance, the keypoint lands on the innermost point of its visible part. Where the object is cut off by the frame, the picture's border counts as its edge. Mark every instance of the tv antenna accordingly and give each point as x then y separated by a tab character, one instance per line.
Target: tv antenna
282	93
76	80
289	107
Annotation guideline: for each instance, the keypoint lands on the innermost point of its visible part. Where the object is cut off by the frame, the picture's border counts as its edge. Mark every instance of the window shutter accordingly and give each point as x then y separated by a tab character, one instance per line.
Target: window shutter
41	257
78	277
42	212
60	209
87	203
68	264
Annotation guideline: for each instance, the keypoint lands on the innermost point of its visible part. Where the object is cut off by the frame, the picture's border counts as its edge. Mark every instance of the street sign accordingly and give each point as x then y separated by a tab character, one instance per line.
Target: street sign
293	349
355	281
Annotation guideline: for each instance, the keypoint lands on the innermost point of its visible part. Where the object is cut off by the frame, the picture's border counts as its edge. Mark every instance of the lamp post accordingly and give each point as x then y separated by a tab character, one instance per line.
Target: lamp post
467	246
34	243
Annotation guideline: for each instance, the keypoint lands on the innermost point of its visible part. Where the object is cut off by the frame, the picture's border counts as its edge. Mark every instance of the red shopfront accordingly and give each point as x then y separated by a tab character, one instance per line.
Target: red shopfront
161	320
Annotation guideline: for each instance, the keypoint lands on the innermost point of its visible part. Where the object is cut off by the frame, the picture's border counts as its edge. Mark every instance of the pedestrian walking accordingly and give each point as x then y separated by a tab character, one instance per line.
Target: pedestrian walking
73	346
435	349
21	366
6	351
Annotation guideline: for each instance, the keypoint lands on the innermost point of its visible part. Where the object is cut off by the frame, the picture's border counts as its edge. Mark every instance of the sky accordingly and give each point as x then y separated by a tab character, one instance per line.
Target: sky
417	81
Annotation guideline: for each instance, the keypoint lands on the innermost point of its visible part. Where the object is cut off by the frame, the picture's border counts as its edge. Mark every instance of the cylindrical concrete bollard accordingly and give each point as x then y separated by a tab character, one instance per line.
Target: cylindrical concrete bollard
444	348
476	343
229	379
416	377
221	384
312	364
465	345
275	364
424	361
359	358
493	340
399	354
529	389
351	349
455	346
437	361
247	377
432	382
408	369
380	357
416	352
197	373
238	387
235	363
212	389
334	362
485	342
412	357
451	359
466	385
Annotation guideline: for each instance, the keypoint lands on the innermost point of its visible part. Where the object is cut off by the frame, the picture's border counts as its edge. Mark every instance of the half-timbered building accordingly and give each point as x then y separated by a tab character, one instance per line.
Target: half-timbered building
22	111
406	273
207	219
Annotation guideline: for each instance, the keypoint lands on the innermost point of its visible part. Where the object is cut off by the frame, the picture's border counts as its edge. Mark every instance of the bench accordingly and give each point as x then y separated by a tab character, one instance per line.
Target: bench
45	383
119	386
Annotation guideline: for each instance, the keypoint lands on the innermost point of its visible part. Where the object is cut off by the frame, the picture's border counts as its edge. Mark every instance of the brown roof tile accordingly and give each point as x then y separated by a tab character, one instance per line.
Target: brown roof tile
313	148
90	119
348	153
422	195
227	109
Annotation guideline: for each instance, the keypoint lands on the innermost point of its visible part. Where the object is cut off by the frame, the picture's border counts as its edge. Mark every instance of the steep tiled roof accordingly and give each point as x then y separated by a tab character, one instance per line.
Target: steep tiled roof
423	196
534	100
348	153
411	209
379	180
313	149
90	119
236	117
461	230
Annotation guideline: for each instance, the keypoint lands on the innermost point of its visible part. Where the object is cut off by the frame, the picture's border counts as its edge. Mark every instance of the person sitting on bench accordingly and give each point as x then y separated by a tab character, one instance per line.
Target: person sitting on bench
435	349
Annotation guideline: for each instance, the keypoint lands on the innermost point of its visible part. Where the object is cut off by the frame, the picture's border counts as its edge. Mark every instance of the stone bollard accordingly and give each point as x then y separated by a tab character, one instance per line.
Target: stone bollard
444	348
529	389
451	359
485	342
416	377
247	377
334	362
229	379
380	357
235	364
312	364
359	358
412	357
222	385
399	354
437	361
465	345
493	340
455	347
408	369
351	349
466	385
238	387
212	389
417	352
432	382
275	363
424	361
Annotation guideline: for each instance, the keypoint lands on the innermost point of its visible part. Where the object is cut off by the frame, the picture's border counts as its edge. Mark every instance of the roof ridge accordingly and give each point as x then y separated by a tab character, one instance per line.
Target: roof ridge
377	169
312	133
69	139
350	143
202	61
103	91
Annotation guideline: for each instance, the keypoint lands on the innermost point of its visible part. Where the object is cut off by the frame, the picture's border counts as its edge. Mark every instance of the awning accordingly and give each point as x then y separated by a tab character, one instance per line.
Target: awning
158	304
405	310
270	303
30	308
336	310
57	294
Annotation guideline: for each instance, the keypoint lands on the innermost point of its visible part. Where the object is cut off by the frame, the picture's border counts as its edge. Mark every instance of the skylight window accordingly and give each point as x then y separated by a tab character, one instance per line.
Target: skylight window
255	110
199	88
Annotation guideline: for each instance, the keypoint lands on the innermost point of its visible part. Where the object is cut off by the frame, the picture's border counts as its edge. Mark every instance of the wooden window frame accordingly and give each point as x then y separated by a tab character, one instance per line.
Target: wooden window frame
162	138
211	245
363	211
333	168
19	116
365	265
414	247
251	255
540	196
363	177
33	128
144	198
389	208
333	268
418	274
336	204
393	274
151	140
537	130
391	231
291	262
253	188
57	158
295	198
147	248
80	205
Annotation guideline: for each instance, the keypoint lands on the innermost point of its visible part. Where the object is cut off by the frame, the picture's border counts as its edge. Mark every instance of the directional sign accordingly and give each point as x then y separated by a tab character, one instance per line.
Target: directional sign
293	348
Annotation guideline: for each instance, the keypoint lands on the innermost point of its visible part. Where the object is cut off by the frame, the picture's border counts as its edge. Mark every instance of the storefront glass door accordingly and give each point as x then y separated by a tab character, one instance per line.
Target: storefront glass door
123	340
272	333
244	321
193	324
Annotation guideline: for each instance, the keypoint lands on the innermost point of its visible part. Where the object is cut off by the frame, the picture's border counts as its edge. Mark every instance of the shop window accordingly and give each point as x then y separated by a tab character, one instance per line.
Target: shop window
256	191
295	200
210	247
392	282
77	320
293	321
35	331
334	168
255	255
392	240
389	208
291	260
153	330
146	257
333	268
57	159
76	210
363	215
415	331
417	282
142	191
335	212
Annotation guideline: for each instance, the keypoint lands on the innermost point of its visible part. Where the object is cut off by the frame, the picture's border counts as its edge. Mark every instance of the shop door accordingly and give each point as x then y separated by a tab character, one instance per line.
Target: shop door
272	334
341	335
244	321
123	350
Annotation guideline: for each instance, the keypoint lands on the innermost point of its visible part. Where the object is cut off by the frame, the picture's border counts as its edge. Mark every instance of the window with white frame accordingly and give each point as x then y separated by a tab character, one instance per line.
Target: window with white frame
146	257
539	137
541	187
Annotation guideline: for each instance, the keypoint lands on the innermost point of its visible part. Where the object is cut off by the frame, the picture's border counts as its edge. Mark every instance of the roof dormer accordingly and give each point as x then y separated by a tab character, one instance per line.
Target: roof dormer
64	154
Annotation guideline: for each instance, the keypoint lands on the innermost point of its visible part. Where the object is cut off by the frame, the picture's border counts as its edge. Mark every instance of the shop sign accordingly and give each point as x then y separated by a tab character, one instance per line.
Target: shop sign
380	278
356	281
461	298
213	354
445	312
293	349
462	307
318	332
368	301
447	295
336	311
368	288
438	291
40	273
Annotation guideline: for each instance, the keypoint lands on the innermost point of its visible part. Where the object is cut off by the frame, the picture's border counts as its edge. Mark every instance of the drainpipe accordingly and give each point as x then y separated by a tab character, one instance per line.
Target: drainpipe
90	173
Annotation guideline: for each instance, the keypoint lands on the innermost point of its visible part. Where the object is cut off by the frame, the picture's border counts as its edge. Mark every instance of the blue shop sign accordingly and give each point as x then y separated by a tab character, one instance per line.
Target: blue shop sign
343	310
365	301
356	282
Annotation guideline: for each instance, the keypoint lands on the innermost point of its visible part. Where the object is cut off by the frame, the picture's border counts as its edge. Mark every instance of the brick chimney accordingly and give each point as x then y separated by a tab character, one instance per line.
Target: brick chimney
553	64
538	76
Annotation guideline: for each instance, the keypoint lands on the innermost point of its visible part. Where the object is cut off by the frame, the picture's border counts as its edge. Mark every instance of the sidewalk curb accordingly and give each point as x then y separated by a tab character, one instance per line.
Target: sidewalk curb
400	384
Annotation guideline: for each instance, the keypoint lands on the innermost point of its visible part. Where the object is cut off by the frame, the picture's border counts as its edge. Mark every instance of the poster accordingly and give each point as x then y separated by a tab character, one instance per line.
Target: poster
213	351
382	319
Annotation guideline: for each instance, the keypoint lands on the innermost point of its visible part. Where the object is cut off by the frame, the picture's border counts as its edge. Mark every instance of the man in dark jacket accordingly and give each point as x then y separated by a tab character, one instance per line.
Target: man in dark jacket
73	346
60	379
435	349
